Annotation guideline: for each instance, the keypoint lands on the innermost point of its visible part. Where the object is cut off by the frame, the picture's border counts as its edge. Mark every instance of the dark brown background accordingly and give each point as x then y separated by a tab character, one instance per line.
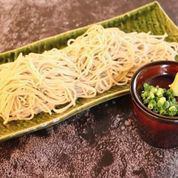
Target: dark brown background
100	142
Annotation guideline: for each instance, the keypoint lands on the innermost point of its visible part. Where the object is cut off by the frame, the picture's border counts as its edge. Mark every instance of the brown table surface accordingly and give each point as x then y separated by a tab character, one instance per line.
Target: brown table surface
100	142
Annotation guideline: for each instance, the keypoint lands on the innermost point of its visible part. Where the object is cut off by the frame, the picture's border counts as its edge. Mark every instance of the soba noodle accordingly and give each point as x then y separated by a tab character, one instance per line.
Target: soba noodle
90	64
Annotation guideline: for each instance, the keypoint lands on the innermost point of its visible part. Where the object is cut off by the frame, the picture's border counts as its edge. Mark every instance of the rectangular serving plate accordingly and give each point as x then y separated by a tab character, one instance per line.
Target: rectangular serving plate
150	17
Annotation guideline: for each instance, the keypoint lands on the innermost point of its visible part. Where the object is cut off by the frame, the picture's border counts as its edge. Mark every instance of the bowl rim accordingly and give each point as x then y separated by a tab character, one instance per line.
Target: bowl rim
139	103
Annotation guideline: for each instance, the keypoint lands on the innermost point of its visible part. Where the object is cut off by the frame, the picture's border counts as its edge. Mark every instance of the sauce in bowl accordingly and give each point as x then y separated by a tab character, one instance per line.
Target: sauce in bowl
162	81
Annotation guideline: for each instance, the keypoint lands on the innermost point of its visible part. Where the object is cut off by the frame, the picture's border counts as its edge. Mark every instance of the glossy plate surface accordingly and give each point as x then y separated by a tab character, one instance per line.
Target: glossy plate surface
150	17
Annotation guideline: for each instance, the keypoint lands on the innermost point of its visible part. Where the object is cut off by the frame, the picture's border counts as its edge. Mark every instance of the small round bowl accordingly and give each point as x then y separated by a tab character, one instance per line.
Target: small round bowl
157	130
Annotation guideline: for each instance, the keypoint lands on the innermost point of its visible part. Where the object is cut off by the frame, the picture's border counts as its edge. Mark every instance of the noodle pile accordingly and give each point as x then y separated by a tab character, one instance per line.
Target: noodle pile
91	64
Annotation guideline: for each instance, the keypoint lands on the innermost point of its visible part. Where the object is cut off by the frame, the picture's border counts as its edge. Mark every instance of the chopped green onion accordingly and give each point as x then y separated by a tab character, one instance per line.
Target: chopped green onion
159	100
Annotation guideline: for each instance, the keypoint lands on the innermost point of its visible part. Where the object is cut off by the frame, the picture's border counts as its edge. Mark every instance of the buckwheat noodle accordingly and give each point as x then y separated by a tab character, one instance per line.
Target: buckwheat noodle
90	64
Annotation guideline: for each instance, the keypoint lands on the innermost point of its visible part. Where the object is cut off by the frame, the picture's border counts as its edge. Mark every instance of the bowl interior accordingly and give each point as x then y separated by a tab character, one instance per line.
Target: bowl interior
160	74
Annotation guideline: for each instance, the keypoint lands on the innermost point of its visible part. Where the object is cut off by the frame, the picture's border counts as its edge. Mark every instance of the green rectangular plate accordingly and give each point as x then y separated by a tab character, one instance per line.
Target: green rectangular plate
150	17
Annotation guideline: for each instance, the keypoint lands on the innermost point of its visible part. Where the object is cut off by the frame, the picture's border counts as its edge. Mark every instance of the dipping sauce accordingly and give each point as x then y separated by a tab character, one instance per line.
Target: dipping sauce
162	81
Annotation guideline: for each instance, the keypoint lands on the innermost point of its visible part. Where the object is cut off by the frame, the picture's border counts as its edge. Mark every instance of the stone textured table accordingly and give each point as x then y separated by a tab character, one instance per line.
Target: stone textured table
100	142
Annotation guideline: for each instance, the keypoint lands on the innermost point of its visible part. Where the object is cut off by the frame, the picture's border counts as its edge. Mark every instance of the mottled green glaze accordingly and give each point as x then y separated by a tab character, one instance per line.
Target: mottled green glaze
150	17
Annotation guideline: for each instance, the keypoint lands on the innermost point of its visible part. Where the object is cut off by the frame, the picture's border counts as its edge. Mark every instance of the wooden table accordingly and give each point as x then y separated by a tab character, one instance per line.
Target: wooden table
100	142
